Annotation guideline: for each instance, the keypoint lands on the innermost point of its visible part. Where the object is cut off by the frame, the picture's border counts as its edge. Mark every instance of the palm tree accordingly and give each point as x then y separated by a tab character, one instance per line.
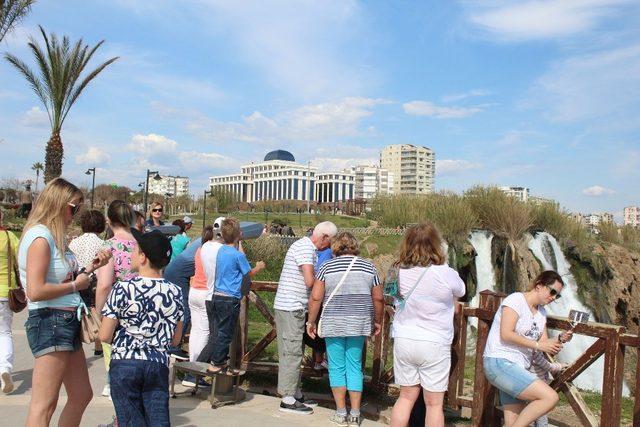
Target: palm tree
37	166
11	12
58	86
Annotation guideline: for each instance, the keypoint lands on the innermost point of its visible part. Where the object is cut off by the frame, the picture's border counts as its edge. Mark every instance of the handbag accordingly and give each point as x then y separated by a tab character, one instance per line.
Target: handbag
89	324
338	286
17	297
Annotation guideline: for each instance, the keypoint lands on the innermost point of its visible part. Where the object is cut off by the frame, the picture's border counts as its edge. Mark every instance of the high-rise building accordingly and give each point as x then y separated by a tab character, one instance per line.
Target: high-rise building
413	167
631	216
176	186
371	181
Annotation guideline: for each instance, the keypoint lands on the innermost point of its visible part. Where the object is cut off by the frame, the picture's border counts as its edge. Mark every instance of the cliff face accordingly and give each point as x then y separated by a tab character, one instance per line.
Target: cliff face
623	288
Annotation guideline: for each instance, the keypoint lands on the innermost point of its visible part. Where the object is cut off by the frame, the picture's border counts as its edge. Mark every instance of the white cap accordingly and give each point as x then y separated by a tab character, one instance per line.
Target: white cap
187	220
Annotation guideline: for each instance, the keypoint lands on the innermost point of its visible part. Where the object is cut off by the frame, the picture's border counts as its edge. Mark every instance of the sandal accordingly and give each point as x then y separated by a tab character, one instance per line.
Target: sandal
217	369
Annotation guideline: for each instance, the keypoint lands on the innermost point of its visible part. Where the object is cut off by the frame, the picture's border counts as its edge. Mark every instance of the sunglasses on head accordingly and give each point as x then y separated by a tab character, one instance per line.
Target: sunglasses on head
553	292
74	208
156	210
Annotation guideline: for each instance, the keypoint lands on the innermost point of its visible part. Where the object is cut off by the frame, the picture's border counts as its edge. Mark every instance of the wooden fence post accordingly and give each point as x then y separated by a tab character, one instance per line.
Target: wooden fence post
612	380
483	411
458	351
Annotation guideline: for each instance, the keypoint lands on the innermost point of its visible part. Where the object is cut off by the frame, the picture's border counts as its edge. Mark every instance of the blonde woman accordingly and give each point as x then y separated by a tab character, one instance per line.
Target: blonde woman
50	273
423	324
155	217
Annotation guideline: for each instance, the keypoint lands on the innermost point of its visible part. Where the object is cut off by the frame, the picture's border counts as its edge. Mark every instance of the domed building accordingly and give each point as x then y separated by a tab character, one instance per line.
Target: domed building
279	177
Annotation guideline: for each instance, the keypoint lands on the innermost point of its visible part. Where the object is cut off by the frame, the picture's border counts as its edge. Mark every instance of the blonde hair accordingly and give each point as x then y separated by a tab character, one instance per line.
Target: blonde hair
344	244
421	246
153	206
50	208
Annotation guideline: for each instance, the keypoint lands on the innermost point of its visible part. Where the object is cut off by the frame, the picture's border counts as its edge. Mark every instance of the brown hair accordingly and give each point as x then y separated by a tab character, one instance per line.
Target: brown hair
179	223
50	207
139	221
230	230
421	246
344	243
546	278
120	214
207	234
92	221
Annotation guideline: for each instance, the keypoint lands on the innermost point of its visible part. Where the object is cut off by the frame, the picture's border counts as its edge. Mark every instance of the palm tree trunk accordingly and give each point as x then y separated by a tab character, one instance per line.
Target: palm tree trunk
37	178
53	158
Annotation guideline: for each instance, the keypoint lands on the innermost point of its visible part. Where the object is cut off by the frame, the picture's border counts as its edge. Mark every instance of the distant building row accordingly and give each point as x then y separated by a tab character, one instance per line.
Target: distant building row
171	186
403	169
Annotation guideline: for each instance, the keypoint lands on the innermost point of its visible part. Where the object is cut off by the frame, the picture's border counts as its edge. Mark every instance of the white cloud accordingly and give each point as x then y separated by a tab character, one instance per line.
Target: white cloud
597	191
35	117
195	161
315	122
460	96
151	143
516	20
591	86
93	156
451	166
425	108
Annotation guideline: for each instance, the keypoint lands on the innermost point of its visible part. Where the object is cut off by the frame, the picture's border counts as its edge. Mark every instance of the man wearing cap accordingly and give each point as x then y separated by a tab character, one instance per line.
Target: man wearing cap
188	223
145	314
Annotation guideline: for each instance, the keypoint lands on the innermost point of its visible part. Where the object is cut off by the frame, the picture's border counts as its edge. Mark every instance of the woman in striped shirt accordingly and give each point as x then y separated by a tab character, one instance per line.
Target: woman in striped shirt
352	310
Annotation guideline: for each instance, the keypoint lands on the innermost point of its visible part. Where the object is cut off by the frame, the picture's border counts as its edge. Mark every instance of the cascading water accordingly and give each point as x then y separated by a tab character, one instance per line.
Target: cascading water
481	242
547	250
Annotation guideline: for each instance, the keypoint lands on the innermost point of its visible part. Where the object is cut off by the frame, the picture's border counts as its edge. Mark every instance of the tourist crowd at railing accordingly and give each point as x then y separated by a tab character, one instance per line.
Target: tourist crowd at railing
147	288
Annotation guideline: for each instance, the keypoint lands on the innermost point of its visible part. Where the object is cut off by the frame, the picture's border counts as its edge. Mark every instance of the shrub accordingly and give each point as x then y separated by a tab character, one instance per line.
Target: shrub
608	232
267	249
549	217
630	237
503	215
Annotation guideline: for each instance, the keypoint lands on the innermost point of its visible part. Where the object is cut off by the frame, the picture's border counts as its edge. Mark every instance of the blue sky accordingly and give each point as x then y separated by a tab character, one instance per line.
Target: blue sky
544	94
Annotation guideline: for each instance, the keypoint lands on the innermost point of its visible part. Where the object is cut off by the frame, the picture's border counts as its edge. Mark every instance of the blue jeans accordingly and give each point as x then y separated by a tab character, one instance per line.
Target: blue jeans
345	362
185	307
50	330
140	392
223	313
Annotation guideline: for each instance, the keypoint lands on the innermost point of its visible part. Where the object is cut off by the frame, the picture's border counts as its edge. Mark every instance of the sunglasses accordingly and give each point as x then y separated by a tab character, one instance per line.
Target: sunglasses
156	210
74	208
553	292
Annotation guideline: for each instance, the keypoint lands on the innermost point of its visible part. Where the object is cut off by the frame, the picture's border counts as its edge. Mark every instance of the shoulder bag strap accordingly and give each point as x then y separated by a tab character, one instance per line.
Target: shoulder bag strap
414	286
9	260
339	285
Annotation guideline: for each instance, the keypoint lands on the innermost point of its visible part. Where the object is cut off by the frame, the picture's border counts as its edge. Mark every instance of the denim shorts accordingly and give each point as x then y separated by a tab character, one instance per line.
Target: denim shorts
49	330
508	377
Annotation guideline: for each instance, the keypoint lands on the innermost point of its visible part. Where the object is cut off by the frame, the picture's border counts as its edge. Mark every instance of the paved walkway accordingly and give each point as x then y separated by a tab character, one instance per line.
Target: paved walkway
185	410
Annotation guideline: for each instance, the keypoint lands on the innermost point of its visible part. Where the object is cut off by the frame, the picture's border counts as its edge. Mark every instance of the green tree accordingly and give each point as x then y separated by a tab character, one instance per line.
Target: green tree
58	86
12	12
37	166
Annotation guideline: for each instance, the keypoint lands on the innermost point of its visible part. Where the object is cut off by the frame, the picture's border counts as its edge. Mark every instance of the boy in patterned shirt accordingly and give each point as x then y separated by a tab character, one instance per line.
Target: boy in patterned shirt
145	314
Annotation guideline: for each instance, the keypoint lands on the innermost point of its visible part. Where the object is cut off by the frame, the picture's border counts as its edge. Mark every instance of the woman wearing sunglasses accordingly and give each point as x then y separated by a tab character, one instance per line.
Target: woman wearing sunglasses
518	329
155	217
50	273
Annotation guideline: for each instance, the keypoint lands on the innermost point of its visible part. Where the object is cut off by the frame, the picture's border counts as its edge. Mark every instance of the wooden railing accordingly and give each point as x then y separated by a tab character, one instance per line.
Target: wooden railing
611	341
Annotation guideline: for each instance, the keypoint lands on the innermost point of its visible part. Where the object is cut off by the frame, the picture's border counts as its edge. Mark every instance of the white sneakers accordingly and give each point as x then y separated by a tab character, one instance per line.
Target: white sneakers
106	391
6	382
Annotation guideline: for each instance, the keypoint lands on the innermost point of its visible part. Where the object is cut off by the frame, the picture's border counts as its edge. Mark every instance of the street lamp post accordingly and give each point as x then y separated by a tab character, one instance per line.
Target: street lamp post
204	208
92	171
157	177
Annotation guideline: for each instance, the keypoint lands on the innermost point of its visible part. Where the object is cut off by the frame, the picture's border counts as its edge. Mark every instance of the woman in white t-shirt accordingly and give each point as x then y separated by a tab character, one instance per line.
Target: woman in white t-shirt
519	328
423	324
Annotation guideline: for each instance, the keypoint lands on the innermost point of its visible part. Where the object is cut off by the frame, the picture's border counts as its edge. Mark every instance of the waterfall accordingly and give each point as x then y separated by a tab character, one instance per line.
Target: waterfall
547	250
481	242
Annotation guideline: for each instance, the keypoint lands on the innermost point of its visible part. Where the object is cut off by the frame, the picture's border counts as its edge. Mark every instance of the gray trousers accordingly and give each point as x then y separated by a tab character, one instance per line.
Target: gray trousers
290	326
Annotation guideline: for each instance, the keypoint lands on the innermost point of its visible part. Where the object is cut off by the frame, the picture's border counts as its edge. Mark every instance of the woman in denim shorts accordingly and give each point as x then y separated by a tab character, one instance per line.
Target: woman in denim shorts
519	328
52	280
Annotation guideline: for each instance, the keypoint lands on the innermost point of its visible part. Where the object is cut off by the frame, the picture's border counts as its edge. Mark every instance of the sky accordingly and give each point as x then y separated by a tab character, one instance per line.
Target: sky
542	94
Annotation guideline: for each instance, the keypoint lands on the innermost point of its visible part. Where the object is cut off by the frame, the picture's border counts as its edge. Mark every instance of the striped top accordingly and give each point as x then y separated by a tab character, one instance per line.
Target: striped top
292	293
350	311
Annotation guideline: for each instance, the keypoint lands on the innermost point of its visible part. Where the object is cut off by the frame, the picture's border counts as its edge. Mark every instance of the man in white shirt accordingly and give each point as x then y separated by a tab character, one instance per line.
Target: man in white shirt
290	307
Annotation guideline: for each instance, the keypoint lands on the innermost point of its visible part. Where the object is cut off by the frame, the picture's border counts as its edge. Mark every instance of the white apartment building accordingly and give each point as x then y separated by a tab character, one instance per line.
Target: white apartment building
595	219
520	193
277	177
413	167
631	216
167	184
371	181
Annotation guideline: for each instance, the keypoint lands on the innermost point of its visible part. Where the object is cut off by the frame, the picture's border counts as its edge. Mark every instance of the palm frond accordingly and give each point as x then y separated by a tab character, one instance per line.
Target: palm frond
11	12
35	83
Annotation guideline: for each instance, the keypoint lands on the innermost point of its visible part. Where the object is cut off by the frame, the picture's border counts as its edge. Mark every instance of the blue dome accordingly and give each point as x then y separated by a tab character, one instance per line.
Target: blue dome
279	155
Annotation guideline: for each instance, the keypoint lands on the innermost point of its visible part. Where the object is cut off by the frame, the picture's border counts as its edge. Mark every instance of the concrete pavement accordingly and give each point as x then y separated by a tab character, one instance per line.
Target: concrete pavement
185	410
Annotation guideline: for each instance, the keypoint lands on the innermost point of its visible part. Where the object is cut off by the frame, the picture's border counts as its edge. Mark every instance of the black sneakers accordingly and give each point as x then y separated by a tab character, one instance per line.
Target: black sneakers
309	402
296	408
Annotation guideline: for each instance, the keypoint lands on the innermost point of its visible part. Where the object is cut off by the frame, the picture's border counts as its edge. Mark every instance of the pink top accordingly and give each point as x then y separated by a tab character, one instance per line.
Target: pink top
199	279
121	250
